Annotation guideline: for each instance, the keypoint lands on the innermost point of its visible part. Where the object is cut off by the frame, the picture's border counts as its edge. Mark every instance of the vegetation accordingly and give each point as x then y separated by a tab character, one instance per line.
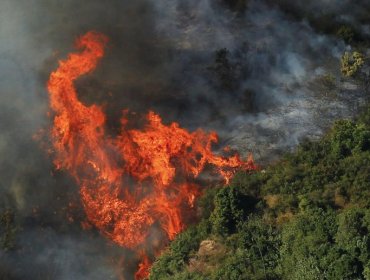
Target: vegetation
305	217
8	230
351	63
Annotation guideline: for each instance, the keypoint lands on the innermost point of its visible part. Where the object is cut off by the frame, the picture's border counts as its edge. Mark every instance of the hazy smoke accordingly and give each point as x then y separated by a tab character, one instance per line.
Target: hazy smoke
159	57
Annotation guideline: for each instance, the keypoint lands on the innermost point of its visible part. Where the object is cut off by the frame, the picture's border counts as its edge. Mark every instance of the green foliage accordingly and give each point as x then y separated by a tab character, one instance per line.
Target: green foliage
351	63
185	275
305	217
349	138
173	262
260	243
306	240
228	211
367	271
206	202
353	233
325	245
235	267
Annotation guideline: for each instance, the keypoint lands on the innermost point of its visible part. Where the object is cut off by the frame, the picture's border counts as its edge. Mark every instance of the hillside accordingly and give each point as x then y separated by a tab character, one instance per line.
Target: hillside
122	121
305	217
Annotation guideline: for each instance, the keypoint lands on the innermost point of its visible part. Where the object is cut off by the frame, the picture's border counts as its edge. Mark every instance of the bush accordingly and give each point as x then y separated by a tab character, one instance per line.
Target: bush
351	63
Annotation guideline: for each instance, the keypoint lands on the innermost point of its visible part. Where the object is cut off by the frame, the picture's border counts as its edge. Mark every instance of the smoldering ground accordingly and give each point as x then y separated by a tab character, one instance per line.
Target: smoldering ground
162	56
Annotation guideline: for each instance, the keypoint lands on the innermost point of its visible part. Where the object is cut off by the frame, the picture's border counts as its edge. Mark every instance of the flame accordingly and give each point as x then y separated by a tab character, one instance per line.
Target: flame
144	266
139	178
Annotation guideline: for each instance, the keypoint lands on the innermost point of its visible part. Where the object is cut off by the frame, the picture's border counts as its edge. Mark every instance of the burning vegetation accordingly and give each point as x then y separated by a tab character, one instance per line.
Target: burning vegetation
138	180
264	74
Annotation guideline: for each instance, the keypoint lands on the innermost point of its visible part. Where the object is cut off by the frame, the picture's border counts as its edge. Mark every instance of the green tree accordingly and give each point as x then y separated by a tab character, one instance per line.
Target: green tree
353	233
307	245
228	211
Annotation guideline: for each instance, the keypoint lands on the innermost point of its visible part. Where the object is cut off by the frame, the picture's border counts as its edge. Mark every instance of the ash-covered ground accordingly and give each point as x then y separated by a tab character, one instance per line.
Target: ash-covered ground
263	74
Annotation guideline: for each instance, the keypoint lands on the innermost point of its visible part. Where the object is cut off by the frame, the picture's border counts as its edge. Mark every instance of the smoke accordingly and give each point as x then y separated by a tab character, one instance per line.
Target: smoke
282	94
295	74
287	86
66	256
329	16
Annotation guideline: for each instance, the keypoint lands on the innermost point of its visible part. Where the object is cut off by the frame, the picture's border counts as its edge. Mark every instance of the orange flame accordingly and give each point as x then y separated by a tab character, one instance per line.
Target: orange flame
139	178
144	266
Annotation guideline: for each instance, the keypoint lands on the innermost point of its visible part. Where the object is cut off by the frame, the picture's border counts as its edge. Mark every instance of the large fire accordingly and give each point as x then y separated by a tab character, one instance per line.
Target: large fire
139	179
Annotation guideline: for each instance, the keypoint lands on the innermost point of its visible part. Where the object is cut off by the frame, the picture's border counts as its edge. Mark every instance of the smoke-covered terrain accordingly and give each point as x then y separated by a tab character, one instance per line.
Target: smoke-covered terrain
263	76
